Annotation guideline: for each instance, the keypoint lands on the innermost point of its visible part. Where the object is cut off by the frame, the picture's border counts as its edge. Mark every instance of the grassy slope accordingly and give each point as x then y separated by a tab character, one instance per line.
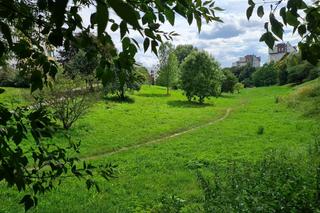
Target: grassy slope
150	172
14	96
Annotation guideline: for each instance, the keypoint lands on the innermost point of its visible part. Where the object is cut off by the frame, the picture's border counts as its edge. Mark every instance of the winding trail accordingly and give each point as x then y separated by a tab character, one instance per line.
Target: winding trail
159	140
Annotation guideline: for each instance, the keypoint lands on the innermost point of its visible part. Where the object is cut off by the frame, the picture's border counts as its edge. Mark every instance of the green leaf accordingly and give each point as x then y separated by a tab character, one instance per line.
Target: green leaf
292	19
93	19
302	29
146	44
56	38
251	3
114	27
154	45
269	39
283	14
190	18
218	9
161	18
276	26
28	202
250	11
170	16
36	80
199	22
123	29
5	30
102	17
126	12
260	11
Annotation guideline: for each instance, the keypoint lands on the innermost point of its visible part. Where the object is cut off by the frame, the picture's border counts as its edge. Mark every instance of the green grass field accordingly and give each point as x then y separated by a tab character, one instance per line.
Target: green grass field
149	172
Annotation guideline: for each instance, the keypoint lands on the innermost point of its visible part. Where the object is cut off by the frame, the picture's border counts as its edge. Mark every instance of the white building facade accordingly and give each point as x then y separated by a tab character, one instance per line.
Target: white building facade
251	60
280	50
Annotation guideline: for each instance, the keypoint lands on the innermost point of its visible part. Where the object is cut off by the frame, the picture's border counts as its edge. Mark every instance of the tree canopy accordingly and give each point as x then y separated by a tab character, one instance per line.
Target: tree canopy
201	76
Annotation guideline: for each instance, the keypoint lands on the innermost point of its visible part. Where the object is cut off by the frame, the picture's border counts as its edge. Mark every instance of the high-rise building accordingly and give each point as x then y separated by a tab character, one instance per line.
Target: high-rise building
251	60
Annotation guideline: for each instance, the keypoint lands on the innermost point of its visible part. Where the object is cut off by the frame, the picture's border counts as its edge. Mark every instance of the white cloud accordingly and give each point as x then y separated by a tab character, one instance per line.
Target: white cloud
225	41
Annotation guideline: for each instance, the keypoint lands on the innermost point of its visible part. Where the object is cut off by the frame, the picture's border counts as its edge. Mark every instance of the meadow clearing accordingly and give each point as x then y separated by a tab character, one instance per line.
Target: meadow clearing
157	167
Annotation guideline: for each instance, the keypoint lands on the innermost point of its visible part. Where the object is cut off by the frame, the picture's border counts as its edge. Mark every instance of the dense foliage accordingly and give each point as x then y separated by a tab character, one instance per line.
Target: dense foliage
201	76
119	81
244	74
182	51
292	69
168	74
80	65
266	75
228	84
277	183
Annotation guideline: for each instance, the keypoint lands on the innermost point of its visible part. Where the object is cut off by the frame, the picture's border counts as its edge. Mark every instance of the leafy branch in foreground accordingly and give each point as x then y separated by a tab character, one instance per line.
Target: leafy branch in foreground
39	166
302	16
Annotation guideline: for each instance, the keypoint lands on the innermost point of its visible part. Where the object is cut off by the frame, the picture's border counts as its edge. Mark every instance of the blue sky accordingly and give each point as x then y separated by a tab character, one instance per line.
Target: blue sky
226	41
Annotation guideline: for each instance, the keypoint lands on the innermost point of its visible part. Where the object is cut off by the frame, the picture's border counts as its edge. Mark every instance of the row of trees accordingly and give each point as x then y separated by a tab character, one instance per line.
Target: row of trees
196	72
291	69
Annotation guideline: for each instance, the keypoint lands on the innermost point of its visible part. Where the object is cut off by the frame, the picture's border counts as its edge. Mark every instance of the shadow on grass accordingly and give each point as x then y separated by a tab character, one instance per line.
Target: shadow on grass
119	100
153	95
188	104
228	95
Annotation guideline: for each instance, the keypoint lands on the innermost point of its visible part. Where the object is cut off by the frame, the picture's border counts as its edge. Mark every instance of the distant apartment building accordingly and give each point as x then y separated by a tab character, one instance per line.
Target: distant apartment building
280	50
252	60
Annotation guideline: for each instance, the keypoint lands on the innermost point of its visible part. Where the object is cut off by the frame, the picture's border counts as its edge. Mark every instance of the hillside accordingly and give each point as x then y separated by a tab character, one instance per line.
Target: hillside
158	142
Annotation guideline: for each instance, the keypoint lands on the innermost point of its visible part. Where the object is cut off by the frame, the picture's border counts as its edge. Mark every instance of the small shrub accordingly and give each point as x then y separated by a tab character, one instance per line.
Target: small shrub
238	87
260	130
68	100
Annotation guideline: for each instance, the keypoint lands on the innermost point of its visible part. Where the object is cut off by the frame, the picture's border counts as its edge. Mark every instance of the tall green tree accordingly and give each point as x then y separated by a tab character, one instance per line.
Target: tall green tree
182	51
266	75
229	81
201	76
169	73
80	65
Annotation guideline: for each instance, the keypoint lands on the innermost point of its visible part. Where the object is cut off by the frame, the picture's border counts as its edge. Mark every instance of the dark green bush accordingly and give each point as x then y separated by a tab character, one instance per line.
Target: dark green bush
260	130
265	76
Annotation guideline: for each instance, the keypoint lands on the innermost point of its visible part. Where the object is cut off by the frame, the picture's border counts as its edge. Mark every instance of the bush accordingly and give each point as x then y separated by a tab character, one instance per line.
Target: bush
201	76
229	82
68	100
238	86
277	183
265	76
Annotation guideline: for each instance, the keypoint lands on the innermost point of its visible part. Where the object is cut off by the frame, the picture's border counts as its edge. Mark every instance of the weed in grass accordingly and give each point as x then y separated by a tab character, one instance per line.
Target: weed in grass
260	130
277	183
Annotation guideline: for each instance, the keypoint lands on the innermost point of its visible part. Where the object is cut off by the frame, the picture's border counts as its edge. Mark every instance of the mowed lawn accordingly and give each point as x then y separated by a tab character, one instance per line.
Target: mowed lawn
149	173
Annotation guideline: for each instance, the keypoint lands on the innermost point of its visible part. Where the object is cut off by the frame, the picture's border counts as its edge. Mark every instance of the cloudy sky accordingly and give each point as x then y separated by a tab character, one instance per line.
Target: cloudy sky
225	41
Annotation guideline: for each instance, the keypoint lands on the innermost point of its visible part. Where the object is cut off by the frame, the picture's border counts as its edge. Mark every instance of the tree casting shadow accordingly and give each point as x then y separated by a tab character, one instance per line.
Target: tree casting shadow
153	95
119	100
188	104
